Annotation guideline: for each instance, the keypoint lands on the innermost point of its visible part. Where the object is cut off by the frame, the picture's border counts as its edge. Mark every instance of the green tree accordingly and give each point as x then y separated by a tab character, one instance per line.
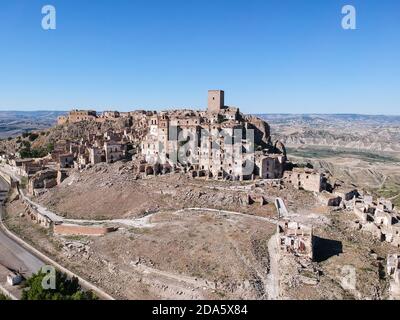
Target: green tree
50	147
27	152
66	289
26	144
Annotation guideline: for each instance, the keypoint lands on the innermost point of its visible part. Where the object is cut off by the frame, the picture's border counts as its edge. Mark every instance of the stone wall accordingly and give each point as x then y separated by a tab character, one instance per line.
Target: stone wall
8	179
70	229
305	179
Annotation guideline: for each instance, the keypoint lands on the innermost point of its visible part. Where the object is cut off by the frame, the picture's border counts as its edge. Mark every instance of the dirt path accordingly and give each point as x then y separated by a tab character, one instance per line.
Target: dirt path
261	283
195	282
273	276
243	215
137	223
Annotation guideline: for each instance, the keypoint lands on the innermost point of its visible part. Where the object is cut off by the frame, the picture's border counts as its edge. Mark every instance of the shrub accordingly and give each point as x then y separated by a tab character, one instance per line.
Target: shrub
33	136
27	152
3	297
66	289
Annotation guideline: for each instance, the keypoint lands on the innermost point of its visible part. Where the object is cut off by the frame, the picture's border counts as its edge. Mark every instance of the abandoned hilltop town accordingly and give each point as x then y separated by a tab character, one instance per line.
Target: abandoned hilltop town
218	144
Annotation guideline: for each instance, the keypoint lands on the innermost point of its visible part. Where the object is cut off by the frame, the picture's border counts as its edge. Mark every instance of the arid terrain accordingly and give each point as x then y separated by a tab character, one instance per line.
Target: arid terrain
14	123
163	251
183	238
363	150
374	133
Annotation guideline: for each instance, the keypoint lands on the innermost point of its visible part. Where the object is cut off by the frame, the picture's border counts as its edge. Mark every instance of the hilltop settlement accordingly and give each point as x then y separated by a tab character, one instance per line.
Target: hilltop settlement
217	162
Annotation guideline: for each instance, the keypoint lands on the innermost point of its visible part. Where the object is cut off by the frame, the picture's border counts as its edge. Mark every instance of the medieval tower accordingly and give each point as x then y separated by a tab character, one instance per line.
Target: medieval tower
215	100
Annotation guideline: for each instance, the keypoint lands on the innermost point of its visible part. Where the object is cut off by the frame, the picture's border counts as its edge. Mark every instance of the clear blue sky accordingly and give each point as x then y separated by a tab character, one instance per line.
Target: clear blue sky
270	56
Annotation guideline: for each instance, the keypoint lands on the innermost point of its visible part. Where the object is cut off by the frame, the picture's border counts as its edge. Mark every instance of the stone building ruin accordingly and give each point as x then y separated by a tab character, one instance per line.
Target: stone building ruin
379	218
295	238
306	179
218	143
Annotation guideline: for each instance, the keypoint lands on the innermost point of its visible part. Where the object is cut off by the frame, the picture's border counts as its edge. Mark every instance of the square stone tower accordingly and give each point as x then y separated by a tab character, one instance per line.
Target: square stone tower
216	100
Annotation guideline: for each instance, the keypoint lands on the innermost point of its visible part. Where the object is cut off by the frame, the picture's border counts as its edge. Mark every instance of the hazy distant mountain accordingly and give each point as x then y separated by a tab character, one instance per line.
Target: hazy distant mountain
353	131
362	132
13	123
330	118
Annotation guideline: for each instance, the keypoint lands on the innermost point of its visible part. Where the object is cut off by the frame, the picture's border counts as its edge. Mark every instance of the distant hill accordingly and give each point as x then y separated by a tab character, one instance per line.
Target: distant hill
14	123
330	118
376	133
363	132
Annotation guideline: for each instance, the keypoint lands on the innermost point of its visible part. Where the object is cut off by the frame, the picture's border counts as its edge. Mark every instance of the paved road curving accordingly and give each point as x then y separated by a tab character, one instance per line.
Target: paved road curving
13	255
17	255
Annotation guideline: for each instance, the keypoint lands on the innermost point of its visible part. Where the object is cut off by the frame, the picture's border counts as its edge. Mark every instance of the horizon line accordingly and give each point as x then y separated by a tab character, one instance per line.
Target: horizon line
267	113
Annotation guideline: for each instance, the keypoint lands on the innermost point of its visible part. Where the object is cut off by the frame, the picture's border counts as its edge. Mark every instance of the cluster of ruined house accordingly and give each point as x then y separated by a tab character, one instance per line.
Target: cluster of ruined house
76	116
41	174
336	194
379	217
27	167
218	143
95	148
49	171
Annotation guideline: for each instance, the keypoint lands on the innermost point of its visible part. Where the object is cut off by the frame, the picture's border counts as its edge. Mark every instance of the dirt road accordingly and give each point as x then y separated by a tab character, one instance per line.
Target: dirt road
273	276
12	255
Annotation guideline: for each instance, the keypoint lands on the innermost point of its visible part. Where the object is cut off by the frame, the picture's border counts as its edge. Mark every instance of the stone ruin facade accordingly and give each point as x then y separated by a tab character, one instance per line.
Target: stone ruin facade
45	179
337	194
75	116
27	167
219	143
296	239
306	179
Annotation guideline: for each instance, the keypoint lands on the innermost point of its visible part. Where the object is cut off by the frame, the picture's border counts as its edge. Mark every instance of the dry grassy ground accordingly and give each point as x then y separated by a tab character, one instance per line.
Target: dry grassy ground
106	192
200	255
189	256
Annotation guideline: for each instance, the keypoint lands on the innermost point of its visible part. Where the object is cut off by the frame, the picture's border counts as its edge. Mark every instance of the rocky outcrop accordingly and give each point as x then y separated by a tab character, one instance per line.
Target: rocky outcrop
262	131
